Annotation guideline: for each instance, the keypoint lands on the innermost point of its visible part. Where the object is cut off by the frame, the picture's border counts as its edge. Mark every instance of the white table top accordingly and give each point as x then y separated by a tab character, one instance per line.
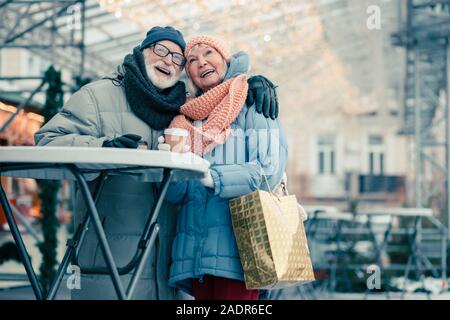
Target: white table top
400	212
342	216
319	208
93	160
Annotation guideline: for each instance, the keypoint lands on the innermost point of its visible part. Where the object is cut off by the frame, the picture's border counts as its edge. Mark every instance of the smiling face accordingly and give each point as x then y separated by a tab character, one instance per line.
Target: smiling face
206	67
161	71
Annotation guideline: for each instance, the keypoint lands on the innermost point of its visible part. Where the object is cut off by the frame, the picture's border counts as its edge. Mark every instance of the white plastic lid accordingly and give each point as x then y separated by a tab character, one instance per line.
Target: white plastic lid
177	132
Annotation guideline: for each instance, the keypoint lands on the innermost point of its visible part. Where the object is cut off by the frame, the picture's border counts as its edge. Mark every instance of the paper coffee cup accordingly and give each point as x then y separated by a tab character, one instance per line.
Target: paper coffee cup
177	139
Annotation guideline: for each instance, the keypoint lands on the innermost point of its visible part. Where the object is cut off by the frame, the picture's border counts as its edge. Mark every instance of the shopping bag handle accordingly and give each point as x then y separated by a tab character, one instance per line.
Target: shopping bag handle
286	193
267	182
282	184
272	194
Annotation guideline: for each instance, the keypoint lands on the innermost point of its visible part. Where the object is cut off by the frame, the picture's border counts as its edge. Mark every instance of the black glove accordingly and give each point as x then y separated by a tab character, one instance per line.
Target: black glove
262	92
128	140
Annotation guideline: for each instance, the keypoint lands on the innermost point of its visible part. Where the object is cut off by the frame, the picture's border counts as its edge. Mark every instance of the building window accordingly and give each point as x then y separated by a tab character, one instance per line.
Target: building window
326	154
376	155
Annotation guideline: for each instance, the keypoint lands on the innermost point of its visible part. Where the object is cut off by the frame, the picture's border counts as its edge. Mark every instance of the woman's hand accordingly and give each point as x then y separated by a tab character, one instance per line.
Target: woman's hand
208	181
166	147
161	145
262	93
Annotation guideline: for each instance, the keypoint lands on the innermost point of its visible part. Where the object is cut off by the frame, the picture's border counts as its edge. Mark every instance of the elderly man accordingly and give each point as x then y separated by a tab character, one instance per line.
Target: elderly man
138	102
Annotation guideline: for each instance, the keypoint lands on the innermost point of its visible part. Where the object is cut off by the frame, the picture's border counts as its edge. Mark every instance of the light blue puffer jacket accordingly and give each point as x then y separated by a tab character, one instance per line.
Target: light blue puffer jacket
205	242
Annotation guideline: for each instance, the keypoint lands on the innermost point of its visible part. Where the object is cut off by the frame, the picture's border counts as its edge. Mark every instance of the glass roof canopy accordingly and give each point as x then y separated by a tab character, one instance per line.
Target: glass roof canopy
320	51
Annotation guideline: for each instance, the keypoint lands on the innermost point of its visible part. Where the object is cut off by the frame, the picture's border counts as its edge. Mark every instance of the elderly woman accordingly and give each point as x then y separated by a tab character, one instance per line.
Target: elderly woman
242	146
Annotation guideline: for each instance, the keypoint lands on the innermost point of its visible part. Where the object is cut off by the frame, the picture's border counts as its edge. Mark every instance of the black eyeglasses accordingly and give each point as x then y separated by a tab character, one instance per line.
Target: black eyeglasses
163	51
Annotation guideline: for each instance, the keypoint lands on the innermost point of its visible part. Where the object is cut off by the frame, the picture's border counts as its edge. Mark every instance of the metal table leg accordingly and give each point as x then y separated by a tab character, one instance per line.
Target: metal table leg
387	234
412	255
145	244
444	260
310	236
336	257
151	231
37	237
421	261
373	237
21	246
379	248
106	250
76	241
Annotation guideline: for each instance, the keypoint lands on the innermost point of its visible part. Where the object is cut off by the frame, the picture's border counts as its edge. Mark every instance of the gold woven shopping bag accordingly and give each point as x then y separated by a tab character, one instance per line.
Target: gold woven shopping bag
271	240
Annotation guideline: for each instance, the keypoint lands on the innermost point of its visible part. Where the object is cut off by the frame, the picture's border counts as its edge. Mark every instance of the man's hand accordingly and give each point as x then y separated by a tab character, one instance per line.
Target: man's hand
128	140
262	93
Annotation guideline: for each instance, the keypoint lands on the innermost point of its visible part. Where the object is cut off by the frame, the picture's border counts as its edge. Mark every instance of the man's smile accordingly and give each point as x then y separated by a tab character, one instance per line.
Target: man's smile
163	70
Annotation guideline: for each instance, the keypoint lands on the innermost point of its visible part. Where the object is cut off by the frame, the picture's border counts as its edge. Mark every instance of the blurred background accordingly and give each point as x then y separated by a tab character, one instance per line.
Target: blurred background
363	87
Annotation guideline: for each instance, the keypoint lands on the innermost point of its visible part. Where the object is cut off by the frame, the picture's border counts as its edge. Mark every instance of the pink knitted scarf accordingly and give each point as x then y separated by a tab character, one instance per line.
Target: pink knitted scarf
220	106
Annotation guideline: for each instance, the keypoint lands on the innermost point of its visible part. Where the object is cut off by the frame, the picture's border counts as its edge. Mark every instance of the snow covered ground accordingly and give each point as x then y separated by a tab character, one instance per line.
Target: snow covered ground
21	290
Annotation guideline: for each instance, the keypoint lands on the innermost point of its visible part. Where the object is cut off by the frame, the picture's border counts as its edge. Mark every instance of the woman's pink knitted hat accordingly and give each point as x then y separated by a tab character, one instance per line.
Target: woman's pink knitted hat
210	41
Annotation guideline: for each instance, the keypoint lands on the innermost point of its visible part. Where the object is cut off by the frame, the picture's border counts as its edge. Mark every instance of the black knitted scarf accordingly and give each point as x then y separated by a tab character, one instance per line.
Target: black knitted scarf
155	107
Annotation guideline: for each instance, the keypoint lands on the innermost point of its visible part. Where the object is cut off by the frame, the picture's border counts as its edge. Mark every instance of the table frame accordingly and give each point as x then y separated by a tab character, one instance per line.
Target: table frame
145	244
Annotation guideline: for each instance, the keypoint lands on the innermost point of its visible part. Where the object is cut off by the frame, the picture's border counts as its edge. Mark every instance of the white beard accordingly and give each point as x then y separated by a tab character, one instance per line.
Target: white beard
160	81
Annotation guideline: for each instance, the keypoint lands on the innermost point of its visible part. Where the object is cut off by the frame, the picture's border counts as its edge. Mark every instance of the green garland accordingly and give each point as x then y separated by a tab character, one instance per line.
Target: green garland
49	189
80	81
